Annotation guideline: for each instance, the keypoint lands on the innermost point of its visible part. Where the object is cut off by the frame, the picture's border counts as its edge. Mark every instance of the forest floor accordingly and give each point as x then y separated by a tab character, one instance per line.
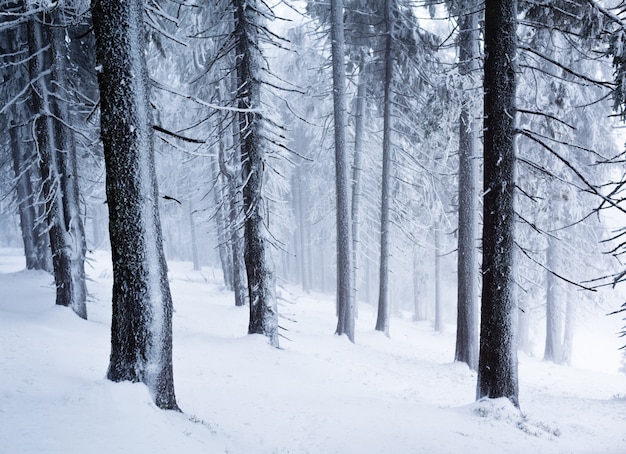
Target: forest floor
317	394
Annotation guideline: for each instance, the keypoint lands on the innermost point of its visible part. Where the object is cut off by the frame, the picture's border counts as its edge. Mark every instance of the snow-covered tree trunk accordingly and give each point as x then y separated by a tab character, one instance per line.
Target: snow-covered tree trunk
345	305
554	326
220	197
231	173
34	235
55	165
68	164
438	325
303	231
195	254
497	364
382	321
467	265
141	330
259	269
568	331
357	170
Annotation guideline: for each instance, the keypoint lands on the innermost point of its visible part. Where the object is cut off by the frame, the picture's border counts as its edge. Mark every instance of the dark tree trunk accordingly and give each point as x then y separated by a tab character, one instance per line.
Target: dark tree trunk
260	273
382	321
467	266
55	165
497	368
345	305
34	235
141	330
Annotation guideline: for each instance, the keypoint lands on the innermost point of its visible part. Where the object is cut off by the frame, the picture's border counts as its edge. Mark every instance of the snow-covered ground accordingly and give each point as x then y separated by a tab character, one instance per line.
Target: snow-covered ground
317	394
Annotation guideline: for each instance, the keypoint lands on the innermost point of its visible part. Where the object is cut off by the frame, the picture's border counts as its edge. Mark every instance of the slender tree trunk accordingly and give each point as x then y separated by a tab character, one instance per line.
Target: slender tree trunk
568	333
231	174
438	325
345	305
497	365
359	130
221	223
141	331
382	322
195	255
552	351
66	243
35	259
299	196
261	283
467	265
68	167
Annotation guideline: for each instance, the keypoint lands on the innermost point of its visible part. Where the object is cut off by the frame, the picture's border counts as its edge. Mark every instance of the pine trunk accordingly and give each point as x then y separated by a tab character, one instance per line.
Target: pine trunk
438	325
261	283
141	330
552	351
382	321
467	265
66	243
497	368
359	130
345	305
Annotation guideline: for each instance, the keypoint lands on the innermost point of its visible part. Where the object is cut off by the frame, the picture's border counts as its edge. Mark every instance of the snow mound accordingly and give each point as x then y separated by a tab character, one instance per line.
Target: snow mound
502	410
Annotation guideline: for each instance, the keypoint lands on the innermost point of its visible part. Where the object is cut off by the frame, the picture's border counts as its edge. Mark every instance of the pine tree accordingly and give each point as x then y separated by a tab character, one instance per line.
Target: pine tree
141	330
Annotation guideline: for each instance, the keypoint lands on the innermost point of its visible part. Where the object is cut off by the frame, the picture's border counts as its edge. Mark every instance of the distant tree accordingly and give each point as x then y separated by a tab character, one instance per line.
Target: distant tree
497	366
141	330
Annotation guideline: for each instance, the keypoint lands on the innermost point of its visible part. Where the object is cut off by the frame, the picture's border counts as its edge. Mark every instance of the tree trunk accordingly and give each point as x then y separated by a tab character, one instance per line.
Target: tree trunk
382	322
554	326
55	165
497	368
141	330
438	325
34	235
195	255
231	174
345	305
359	130
261	283
467	265
568	332
221	223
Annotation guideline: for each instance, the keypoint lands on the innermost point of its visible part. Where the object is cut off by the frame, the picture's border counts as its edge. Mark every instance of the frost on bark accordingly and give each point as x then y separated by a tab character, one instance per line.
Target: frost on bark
382	321
359	132
27	186
467	264
259	269
345	305
57	159
497	368
141	330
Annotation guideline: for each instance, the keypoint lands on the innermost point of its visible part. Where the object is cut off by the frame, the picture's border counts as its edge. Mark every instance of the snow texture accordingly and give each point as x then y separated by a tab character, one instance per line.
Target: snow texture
318	394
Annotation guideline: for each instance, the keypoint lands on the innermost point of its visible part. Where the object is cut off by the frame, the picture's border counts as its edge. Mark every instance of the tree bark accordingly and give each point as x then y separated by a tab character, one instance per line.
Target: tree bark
345	305
497	367
382	321
141	330
357	165
467	265
56	166
554	326
261	281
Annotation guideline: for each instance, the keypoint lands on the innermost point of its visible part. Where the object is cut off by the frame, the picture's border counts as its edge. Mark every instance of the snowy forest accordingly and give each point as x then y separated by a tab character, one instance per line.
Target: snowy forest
204	192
